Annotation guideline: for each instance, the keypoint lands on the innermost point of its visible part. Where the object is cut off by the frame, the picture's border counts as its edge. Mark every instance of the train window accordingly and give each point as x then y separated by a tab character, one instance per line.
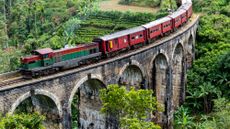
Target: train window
91	51
151	31
141	35
133	37
125	40
31	62
116	42
136	37
45	56
166	25
177	20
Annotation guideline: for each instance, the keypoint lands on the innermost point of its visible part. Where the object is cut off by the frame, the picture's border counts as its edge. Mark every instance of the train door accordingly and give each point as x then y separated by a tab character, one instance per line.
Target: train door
46	60
57	57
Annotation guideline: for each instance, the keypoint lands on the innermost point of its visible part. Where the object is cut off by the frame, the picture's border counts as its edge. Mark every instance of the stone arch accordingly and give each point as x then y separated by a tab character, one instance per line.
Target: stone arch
79	83
178	75
18	101
39	93
160	83
159	63
160	75
190	51
132	74
85	99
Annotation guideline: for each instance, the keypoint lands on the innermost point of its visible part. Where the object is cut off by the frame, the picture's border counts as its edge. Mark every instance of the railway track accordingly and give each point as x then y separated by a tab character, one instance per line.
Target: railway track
11	81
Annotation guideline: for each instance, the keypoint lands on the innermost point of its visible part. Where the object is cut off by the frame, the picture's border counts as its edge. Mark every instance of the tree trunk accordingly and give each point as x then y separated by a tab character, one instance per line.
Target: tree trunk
205	104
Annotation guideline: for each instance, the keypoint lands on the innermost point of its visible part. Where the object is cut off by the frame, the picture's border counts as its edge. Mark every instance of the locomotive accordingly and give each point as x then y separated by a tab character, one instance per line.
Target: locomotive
46	61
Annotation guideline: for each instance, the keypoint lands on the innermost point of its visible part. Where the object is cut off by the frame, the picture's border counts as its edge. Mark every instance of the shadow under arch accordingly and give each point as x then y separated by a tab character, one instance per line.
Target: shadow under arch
160	84
178	76
85	104
190	54
132	74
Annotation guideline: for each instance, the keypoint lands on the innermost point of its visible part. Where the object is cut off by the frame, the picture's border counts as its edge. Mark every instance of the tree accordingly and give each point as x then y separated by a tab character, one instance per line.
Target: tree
9	59
167	5
131	108
3	25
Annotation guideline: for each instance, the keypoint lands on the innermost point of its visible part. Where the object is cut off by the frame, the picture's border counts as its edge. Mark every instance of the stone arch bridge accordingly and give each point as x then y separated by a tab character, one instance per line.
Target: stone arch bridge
160	66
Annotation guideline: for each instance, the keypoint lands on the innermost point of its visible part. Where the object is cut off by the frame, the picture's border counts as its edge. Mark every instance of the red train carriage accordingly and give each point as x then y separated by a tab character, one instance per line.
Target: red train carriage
166	25
136	35
178	18
188	8
153	29
121	40
183	16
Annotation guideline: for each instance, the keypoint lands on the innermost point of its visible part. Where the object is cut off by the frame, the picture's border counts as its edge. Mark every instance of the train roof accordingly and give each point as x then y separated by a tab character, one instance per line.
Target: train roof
177	13
122	33
77	46
186	6
43	51
156	22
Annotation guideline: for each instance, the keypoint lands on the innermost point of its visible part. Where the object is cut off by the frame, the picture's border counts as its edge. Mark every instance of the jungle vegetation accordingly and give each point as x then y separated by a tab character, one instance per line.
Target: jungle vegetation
208	96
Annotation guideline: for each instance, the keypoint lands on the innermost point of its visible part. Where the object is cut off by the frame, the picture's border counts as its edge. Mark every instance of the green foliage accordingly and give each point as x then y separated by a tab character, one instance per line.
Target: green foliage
168	5
218	119
214	28
33	19
182	119
22	121
129	107
134	123
101	23
9	59
208	80
75	112
210	6
209	77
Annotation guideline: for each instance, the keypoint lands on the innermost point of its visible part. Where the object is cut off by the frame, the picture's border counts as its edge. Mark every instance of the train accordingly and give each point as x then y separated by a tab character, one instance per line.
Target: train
47	61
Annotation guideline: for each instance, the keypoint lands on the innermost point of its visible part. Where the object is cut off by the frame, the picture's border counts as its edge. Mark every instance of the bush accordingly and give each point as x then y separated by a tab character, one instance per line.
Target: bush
22	121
